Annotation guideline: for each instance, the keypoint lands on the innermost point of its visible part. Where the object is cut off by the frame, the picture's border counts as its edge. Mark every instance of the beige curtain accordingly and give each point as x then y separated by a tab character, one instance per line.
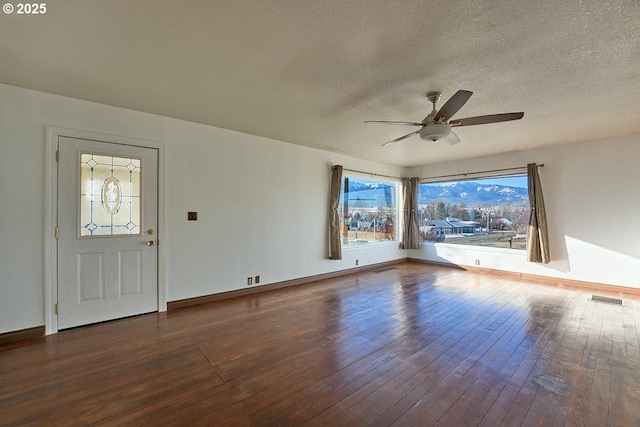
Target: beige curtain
335	245
537	232
410	237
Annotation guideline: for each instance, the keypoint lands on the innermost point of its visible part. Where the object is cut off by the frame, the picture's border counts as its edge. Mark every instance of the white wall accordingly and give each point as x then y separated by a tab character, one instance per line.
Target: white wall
262	204
593	208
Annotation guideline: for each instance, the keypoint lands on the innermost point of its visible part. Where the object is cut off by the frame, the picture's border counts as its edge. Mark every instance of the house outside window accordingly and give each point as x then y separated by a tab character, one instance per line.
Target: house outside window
368	211
489	211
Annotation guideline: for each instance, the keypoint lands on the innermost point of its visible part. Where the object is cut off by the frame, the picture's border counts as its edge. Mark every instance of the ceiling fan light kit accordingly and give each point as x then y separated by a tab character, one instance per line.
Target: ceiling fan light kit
434	131
435	127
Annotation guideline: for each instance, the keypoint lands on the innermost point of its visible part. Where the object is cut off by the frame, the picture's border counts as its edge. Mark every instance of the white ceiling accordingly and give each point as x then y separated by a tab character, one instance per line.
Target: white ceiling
311	72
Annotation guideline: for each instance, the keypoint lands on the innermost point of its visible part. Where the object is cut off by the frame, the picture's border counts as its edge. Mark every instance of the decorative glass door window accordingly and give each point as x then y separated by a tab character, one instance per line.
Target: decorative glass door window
109	195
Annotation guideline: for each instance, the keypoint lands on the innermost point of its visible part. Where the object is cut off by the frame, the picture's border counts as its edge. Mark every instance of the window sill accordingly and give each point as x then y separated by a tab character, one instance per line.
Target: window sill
368	245
474	248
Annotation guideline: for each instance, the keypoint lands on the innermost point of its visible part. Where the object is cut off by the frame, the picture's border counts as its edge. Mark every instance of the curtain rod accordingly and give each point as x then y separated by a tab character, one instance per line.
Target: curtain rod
541	165
368	173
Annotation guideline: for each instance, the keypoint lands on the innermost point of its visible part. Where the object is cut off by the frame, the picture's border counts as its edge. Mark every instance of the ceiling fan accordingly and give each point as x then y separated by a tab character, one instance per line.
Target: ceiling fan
434	127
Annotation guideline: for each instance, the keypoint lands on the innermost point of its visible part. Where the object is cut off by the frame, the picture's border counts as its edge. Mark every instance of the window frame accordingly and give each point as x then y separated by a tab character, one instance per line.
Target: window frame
516	243
396	194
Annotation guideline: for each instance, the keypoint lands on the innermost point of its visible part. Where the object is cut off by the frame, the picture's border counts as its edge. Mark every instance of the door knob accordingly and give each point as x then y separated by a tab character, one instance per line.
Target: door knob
151	243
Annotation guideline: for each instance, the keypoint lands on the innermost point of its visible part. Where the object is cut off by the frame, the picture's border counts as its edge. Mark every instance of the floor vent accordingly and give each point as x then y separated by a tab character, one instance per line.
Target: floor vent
607	300
382	270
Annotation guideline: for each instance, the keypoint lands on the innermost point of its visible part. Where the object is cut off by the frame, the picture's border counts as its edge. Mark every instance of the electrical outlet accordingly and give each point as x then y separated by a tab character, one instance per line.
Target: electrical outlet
256	280
357	262
249	281
477	262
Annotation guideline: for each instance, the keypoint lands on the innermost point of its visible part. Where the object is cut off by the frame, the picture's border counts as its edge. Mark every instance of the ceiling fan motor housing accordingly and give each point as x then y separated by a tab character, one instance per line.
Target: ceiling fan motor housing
434	131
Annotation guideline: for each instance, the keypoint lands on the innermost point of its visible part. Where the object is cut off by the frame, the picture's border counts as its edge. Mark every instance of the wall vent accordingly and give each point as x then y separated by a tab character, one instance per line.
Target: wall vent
607	300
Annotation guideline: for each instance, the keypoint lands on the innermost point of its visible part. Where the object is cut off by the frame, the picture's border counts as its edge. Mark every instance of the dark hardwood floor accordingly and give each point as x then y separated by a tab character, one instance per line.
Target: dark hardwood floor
412	345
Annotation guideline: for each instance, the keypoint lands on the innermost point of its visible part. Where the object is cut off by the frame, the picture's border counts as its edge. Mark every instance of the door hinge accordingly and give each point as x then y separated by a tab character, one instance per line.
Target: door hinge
57	309
57	155
57	232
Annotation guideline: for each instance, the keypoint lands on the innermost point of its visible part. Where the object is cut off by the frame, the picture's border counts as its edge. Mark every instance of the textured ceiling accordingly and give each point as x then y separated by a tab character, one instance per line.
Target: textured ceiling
311	72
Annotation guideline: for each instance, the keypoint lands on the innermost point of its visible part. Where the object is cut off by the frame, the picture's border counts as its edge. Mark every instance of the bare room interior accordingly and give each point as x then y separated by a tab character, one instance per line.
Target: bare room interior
344	213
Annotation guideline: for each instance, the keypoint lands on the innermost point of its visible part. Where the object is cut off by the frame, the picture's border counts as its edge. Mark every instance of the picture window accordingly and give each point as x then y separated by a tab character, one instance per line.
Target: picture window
488	211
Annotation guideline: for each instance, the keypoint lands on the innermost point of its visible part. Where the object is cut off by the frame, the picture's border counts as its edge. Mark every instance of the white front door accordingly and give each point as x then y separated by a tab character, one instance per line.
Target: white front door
107	215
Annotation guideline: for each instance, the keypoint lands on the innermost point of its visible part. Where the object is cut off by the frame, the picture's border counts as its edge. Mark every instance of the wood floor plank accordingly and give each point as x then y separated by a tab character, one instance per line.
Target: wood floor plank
460	396
414	345
482	384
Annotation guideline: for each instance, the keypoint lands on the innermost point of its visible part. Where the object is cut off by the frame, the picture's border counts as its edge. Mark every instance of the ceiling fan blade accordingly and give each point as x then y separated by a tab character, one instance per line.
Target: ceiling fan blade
451	139
401	138
491	118
453	105
393	122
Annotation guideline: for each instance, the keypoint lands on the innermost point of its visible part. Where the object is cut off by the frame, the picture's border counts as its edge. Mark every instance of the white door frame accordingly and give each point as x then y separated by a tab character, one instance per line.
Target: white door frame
51	199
